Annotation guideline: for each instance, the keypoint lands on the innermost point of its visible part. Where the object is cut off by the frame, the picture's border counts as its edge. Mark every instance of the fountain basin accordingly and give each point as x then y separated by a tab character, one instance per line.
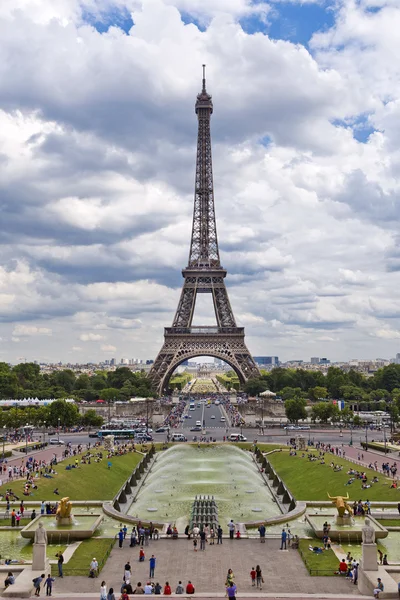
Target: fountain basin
344	533
82	527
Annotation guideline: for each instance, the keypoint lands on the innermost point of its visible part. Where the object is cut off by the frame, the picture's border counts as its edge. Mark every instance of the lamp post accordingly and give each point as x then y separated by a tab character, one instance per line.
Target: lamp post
26	439
351	433
4	439
366	436
384	439
58	430
44	432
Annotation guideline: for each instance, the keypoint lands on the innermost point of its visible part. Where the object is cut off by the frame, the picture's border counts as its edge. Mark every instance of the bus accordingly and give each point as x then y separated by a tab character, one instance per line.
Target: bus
117	433
192	405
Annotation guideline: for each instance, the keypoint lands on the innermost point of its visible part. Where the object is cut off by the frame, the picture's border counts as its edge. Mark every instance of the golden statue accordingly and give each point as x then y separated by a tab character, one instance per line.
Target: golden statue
64	509
341	504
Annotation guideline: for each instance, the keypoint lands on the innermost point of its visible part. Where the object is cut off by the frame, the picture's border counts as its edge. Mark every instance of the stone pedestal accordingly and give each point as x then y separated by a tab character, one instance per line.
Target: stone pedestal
39	557
64	520
369	557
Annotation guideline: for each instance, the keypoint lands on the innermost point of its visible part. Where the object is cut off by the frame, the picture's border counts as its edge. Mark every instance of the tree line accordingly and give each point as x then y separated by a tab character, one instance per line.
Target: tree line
297	386
25	380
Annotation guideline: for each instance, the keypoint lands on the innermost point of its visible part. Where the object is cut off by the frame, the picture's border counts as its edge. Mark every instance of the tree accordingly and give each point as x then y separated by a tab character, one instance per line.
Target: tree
67	412
255	386
109	394
335	379
323	411
290	392
318	393
91	419
295	409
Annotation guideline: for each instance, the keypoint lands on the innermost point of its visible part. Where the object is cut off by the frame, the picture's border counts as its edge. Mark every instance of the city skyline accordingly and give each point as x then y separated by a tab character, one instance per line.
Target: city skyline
98	149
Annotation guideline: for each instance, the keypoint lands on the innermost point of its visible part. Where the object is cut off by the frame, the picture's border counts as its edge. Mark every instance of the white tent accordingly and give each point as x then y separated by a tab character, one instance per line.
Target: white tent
268	394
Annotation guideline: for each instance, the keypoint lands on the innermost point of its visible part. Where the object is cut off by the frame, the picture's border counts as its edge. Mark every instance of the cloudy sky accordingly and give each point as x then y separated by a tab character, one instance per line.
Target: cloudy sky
97	155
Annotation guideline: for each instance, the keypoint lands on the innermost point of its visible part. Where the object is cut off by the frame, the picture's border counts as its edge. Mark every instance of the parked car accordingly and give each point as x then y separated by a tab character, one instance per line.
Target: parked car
56	442
143	437
237	437
178	437
162	429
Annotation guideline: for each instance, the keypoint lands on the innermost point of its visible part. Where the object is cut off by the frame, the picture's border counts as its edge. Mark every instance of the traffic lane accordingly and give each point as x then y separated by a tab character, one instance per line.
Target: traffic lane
204	415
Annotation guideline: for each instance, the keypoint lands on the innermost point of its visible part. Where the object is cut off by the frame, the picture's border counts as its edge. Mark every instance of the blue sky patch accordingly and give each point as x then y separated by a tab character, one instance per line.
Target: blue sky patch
361	127
293	22
116	17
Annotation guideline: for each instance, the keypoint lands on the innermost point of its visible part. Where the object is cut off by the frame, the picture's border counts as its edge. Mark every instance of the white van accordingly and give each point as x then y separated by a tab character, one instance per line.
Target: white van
178	437
237	437
198	423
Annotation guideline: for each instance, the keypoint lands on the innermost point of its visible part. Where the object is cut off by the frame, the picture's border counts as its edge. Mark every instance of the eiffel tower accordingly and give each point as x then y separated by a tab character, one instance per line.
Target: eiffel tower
203	275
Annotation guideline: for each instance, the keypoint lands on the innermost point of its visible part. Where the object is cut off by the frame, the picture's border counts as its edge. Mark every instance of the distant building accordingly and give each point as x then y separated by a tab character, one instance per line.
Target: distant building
324	361
149	361
266	360
113	362
124	361
314	360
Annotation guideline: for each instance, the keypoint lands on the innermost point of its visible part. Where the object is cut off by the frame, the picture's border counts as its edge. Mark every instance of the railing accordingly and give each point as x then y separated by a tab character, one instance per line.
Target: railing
204	330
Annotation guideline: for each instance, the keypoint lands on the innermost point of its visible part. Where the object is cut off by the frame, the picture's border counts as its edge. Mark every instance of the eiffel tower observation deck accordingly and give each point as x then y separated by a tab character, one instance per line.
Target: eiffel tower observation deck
203	275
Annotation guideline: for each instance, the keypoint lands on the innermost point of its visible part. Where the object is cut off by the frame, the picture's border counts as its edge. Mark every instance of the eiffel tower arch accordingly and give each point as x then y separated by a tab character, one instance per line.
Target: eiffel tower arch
203	275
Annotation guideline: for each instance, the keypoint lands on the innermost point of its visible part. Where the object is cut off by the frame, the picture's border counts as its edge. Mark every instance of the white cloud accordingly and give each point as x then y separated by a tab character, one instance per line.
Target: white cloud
108	348
97	147
24	330
91	337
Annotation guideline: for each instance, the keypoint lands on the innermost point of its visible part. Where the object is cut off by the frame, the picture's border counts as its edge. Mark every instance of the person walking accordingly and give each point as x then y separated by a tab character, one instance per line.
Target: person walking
283	539
231	591
36	584
60	563
261	531
49	584
253	575
202	540
120	537
103	591
259	577
110	595
152	564
212	536
231	527
127	572
133	537
219	535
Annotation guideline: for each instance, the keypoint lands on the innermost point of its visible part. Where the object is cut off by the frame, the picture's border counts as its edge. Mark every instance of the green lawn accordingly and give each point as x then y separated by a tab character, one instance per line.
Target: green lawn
82	557
89	482
324	564
311	481
389	522
263	447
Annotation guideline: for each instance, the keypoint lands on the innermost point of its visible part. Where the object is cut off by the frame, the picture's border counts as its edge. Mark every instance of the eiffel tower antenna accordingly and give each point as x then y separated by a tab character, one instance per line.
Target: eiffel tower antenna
203	275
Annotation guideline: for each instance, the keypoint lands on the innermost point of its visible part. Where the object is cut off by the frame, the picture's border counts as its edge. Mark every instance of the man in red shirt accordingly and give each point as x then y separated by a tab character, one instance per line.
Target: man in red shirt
343	567
190	588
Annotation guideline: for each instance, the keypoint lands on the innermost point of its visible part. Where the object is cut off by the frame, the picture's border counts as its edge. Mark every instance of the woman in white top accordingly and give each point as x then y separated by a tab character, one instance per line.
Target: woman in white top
103	591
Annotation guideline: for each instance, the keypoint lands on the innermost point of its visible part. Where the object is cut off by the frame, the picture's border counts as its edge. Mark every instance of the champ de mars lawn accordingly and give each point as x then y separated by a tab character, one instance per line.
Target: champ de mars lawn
310	480
88	482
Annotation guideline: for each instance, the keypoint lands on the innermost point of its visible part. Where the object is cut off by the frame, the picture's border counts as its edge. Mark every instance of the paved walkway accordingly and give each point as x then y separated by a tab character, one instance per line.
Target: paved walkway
283	571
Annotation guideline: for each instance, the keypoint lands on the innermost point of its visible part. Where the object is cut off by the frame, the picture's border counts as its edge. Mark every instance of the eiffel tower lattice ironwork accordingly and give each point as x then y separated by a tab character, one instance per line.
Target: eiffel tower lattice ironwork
203	275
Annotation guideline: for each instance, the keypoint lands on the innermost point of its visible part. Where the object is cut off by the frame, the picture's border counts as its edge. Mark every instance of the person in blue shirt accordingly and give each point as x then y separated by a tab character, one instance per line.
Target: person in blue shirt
120	537
152	565
261	530
283	539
